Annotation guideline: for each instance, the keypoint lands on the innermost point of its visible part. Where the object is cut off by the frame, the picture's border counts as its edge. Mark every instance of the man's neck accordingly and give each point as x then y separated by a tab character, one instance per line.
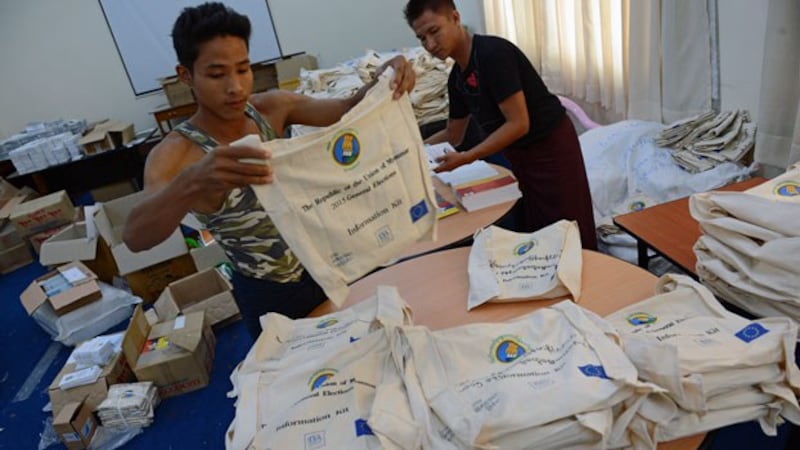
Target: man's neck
221	129
464	50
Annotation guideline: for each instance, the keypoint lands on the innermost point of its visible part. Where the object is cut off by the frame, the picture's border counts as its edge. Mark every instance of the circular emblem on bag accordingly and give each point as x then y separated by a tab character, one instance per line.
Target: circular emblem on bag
637	206
506	349
523	248
327	322
320	377
345	148
641	318
788	189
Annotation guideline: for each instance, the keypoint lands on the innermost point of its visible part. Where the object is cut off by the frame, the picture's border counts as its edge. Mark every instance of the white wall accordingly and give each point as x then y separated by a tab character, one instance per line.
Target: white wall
59	59
742	28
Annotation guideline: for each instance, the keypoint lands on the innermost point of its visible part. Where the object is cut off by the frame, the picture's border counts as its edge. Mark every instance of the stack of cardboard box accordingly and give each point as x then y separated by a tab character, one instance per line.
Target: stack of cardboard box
38	219
14	252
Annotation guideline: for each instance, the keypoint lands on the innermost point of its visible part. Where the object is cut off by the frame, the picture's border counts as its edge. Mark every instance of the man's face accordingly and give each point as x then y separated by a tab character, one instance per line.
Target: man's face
222	80
438	32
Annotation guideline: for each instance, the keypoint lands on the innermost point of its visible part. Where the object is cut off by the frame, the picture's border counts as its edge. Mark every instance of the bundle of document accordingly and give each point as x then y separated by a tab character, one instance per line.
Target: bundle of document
129	405
429	97
39	130
749	250
718	368
45	152
704	141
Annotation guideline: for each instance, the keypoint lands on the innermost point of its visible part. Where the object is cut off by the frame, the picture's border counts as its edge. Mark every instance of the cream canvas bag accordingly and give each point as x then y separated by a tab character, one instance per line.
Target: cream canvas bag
352	196
482	379
683	333
285	342
330	402
505	266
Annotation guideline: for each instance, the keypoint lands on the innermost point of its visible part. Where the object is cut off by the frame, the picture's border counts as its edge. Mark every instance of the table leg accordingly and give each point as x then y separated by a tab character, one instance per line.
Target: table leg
641	248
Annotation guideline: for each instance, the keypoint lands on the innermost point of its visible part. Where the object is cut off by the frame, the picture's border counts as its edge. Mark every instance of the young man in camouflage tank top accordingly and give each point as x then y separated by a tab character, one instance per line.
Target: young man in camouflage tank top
195	170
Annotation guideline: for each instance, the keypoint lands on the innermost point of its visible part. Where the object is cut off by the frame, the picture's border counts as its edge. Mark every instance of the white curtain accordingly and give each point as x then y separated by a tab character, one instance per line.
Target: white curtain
640	59
778	137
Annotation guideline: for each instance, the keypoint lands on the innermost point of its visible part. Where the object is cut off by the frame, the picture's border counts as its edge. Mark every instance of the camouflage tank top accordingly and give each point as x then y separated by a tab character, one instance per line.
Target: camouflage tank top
241	226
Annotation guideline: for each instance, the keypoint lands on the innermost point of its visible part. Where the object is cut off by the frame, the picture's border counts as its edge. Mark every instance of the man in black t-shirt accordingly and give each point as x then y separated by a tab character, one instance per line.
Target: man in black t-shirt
494	83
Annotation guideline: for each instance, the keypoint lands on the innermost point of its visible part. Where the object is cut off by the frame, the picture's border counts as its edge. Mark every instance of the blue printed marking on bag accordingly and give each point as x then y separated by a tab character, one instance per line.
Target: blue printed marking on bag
752	332
363	429
594	371
418	211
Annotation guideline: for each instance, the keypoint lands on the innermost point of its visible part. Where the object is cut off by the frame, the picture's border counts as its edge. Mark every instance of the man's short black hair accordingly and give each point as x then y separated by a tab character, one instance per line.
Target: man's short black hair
415	8
199	24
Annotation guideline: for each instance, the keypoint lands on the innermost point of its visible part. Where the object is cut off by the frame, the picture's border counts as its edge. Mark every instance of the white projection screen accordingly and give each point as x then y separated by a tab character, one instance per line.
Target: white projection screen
142	33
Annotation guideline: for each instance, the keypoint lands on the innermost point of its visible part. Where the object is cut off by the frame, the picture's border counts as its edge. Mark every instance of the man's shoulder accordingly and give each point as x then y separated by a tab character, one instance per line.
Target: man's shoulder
172	153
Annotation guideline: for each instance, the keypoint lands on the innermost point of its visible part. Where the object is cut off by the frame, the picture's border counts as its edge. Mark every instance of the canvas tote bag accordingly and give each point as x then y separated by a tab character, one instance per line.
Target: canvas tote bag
507	266
285	342
352	196
481	380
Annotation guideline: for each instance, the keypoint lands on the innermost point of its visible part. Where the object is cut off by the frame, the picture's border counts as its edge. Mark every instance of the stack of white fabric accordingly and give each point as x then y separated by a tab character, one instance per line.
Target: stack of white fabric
429	97
719	368
749	253
129	405
310	383
702	142
555	378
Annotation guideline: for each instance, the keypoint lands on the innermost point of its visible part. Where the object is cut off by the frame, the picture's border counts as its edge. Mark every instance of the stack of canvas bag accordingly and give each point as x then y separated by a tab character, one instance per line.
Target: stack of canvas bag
292	358
749	253
507	266
719	368
351	197
552	379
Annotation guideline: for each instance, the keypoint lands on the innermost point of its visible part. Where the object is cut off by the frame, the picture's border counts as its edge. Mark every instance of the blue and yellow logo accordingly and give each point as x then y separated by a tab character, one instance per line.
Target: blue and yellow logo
320	377
637	206
507	349
525	247
325	323
345	148
788	189
641	318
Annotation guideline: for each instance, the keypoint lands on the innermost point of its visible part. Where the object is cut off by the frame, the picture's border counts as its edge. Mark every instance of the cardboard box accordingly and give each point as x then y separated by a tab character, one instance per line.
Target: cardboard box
113	191
14	258
9	237
7	191
178	93
119	133
110	220
38	239
265	77
74	244
288	69
66	289
209	256
149	283
175	355
207	291
75	425
116	371
43	213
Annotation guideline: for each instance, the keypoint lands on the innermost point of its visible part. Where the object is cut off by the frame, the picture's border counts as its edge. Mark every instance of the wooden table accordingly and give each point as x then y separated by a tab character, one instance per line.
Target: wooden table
459	227
166	114
436	287
669	229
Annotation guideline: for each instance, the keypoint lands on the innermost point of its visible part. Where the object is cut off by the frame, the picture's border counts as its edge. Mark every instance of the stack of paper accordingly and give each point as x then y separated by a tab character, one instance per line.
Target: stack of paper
478	185
129	405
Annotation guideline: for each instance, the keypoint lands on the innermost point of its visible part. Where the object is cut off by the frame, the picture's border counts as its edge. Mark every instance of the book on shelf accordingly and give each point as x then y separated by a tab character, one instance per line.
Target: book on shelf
485	192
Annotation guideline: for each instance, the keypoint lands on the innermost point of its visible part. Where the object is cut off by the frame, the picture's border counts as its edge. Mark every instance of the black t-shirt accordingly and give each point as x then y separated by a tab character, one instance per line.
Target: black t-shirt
496	70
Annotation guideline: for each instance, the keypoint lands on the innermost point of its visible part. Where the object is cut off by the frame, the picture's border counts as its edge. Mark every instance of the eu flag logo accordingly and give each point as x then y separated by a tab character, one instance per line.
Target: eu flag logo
418	211
594	371
363	429
752	332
